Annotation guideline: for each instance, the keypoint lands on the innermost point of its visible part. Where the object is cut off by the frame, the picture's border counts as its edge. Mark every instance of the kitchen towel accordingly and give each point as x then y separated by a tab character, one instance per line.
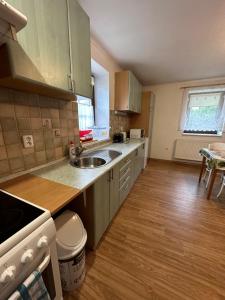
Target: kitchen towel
33	288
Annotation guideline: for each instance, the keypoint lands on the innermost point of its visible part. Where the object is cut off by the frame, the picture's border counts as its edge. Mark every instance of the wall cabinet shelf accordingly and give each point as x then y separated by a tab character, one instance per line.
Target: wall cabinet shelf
127	92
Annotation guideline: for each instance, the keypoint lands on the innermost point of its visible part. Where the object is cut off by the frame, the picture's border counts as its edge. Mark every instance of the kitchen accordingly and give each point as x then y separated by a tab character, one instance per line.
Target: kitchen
99	151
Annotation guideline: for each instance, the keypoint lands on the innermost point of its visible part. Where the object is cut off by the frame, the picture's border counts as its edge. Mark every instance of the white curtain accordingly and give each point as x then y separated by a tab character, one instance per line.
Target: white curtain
85	113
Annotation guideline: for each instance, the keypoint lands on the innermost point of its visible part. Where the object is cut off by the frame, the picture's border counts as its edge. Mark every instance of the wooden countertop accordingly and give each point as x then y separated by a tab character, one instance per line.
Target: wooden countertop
43	192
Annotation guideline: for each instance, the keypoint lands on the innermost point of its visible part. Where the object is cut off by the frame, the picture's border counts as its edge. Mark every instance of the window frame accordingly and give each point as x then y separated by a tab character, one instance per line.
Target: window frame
185	106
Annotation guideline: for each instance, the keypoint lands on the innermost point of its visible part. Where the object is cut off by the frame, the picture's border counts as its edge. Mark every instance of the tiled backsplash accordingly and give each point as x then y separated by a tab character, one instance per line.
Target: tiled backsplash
24	114
118	122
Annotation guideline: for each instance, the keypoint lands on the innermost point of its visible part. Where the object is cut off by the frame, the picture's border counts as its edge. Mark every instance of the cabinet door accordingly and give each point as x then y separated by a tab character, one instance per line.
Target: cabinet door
45	39
131	98
80	47
114	190
139	91
101	207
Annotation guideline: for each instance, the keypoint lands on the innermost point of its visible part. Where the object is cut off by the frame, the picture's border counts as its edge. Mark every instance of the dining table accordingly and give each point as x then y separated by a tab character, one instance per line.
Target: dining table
216	161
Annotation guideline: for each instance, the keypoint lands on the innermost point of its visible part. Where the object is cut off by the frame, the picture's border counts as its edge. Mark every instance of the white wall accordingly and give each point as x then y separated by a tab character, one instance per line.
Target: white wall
167	111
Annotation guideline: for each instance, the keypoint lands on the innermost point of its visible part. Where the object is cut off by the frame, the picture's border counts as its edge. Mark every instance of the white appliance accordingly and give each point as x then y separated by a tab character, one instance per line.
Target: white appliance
136	133
27	243
9	16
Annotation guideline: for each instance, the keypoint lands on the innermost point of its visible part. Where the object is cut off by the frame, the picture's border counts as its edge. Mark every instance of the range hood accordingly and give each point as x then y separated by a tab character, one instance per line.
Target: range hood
17	71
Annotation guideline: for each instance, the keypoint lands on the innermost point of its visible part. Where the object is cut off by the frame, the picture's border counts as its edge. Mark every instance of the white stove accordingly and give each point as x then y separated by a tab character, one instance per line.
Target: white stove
27	243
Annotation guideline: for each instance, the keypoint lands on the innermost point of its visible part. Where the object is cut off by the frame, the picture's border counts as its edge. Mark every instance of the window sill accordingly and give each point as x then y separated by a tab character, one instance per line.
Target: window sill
200	134
94	143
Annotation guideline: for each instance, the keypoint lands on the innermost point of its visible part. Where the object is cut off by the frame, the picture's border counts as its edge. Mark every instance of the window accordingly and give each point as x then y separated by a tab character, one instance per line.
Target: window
85	113
203	111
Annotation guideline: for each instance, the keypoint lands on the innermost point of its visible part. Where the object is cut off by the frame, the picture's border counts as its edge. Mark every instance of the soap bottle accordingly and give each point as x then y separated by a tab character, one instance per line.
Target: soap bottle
72	152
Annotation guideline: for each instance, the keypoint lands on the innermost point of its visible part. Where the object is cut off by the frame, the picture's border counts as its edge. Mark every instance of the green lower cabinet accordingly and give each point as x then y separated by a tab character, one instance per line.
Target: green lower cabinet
107	194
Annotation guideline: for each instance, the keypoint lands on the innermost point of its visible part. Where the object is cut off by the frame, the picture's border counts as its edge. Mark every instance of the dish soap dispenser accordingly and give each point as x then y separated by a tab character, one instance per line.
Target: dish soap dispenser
72	152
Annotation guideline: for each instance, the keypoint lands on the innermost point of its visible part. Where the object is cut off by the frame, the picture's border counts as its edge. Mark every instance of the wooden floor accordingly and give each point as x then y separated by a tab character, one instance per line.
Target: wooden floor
167	242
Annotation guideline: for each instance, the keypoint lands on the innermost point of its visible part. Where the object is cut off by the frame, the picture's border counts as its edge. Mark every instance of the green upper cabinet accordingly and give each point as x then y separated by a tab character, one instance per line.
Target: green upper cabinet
128	92
45	39
79	25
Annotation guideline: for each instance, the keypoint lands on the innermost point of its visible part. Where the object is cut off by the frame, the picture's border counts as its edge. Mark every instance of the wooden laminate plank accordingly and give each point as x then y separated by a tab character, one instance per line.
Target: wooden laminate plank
166	242
48	194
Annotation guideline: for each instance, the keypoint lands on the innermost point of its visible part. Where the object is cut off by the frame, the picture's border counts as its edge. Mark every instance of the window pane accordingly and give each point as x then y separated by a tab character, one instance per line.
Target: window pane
203	111
85	113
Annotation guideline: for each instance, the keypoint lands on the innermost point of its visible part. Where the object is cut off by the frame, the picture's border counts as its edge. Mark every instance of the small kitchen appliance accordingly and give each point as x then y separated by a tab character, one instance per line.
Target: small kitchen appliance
136	133
118	138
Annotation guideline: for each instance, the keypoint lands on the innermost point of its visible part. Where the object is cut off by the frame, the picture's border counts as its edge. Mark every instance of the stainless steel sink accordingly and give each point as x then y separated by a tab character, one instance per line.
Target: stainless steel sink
95	159
88	162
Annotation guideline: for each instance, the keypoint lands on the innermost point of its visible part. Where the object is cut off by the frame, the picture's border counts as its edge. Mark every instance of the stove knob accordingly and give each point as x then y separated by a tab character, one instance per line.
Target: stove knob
43	242
27	256
8	275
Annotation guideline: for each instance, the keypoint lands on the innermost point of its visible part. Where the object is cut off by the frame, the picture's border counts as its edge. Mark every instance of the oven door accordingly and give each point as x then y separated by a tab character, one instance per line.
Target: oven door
47	264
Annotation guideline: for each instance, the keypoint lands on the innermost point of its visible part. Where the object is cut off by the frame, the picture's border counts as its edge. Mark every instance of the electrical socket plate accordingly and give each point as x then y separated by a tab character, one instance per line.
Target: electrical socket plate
28	141
57	132
47	123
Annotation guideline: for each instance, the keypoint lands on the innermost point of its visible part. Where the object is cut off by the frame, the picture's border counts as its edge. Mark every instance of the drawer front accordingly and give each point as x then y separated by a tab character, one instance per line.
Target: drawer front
124	167
125	188
125	175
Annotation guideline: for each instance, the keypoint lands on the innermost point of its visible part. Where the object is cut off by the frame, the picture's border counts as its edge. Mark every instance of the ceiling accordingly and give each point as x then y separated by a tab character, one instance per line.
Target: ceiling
162	40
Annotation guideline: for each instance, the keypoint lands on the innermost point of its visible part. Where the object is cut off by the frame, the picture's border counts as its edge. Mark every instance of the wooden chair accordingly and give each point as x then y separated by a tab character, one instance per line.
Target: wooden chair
208	170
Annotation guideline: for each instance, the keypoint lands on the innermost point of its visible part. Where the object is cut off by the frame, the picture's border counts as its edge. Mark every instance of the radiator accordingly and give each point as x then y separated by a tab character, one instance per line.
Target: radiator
189	149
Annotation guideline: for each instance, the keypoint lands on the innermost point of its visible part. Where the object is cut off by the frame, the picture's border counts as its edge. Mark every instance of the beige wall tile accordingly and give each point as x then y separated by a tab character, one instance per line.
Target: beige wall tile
16	164
36	123
4	168
3	154
45	113
34	112
50	153
57	141
1	139
8	124
23	123
58	152
6	110
11	137
27	151
30	161
14	150
22	111
41	157
55	123
54	113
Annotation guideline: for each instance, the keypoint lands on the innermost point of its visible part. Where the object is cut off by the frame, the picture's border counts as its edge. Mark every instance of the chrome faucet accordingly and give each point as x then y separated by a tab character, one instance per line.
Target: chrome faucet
79	150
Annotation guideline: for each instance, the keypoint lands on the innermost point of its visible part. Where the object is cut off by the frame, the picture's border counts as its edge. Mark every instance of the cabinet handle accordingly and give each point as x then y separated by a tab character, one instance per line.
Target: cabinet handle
70	84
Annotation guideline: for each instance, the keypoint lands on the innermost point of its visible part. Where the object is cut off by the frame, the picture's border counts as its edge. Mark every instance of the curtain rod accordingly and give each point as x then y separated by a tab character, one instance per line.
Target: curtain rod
199	86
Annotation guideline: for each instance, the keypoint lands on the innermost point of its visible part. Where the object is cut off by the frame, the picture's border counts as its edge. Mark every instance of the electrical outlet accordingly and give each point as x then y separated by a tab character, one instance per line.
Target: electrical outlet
57	132
47	123
28	141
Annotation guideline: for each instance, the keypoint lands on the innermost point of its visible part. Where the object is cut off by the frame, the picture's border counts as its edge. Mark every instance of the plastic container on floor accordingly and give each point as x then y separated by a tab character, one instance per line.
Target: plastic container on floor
71	238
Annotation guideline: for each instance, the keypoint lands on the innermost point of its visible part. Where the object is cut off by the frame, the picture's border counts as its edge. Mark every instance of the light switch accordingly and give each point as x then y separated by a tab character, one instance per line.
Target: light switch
28	141
57	132
47	123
